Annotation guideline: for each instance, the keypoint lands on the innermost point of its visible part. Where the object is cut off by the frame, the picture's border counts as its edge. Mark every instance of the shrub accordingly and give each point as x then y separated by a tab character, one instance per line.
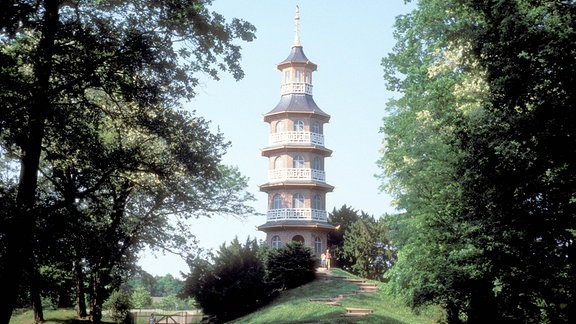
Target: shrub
233	286
119	306
291	266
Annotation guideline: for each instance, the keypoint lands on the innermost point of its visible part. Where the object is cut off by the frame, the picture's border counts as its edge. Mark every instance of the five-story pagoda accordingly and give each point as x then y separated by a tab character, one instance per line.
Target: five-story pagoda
296	184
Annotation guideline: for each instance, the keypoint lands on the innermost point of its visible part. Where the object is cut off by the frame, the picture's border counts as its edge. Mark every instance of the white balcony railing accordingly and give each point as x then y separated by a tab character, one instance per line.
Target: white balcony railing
297	214
296	174
294	137
296	87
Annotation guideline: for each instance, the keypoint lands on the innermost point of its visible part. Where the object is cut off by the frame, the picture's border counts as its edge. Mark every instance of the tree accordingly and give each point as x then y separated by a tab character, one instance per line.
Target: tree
60	59
232	285
469	156
119	305
367	248
291	266
342	219
168	285
140	297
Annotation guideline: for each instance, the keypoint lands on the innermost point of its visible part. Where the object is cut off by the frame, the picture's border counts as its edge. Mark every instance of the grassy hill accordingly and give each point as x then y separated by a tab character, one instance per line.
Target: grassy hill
294	306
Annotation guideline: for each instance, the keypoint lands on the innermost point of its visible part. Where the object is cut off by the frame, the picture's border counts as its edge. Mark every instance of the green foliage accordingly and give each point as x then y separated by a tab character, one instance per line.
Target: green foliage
119	305
476	156
367	247
170	302
290	266
342	219
233	285
140	298
90	111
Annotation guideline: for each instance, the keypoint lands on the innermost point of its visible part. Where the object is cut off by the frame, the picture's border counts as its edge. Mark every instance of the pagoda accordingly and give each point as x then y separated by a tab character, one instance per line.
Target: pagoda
296	184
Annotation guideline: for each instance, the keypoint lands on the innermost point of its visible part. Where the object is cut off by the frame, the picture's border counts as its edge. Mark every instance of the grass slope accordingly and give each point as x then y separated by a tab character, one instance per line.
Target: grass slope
293	306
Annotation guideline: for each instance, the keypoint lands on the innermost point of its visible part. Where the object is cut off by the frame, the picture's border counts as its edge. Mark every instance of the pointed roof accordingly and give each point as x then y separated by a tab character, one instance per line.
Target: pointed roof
297	53
297	103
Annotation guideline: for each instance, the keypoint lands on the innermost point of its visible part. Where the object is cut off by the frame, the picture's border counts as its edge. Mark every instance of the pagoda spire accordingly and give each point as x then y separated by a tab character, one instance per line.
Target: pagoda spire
297	28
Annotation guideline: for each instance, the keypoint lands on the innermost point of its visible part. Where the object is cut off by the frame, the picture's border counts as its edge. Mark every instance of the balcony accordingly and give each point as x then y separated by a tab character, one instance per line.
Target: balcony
296	87
286	174
305	214
293	137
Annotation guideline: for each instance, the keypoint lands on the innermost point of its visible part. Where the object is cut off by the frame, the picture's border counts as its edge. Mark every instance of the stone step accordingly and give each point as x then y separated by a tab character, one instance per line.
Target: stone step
366	284
325	300
351	311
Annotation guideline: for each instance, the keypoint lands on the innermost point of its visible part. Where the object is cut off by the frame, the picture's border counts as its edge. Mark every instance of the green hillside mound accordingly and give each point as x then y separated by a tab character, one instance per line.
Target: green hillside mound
332	298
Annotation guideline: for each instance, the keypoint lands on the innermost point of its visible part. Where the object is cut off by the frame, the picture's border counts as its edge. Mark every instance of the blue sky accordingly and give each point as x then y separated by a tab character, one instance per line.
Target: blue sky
347	41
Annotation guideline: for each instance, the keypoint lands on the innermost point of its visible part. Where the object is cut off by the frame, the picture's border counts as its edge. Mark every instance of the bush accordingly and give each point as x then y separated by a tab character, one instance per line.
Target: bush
291	266
119	306
233	286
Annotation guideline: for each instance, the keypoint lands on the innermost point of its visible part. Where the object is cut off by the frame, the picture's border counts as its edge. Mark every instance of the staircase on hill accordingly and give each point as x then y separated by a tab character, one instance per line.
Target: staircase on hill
363	287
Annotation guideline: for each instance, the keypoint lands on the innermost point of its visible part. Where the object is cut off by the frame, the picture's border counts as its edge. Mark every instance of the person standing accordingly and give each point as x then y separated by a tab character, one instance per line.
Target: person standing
152	319
328	259
323	260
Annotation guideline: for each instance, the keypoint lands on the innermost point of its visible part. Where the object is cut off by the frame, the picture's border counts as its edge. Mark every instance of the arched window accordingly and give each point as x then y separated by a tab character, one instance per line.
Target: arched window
278	163
279	127
317	202
298	238
298	126
298	162
316	163
276	242
277	202
297	200
317	246
316	127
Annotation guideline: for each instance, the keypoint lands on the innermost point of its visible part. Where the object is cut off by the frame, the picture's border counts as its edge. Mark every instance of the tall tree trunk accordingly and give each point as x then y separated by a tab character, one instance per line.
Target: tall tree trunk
80	291
96	298
35	296
19	249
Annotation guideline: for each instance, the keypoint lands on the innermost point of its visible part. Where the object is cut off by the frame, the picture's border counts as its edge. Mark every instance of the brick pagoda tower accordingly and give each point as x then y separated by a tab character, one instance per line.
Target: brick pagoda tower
296	184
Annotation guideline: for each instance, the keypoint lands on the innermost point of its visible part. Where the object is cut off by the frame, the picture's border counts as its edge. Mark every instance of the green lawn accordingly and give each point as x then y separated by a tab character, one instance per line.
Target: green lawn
60	316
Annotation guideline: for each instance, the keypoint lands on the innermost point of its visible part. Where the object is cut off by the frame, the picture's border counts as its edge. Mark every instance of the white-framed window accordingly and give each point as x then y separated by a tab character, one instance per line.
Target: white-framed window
308	75
278	163
298	76
316	165
316	127
317	246
277	202
298	125
280	126
317	202
298	162
297	200
286	76
276	242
